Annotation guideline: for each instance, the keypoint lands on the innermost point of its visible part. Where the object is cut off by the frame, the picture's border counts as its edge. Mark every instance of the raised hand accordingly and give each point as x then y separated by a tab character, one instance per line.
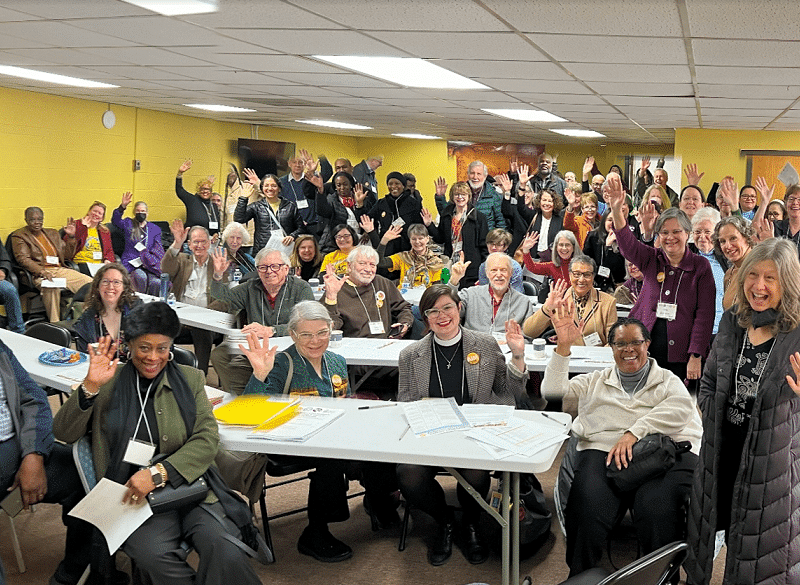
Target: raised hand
359	195
765	190
513	164
392	233
333	284
567	330
557	292
260	355
69	229
504	182
252	178
588	166
459	269
647	217
366	223
102	364
219	256
179	233
615	194
610	239
794	383
427	218
530	241
691	174
730	192
515	339
187	164
127	197
524	175
304	155
763	228
441	186
316	181
645	165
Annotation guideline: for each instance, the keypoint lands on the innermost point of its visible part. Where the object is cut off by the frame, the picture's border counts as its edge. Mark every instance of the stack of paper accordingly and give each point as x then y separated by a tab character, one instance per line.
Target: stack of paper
307	422
434	416
519	437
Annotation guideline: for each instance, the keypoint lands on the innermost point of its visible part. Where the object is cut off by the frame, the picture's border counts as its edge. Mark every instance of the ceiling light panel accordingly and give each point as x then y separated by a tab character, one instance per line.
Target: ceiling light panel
51	77
526	115
404	71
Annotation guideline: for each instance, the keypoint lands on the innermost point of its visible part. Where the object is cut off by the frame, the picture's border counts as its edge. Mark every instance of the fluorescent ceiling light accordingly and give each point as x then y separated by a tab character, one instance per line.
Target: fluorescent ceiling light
577	133
526	115
409	72
218	108
332	124
176	7
418	136
51	77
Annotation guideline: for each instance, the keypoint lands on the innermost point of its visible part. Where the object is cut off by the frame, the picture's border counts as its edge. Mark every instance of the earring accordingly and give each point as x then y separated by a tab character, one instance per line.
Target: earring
128	355
171	356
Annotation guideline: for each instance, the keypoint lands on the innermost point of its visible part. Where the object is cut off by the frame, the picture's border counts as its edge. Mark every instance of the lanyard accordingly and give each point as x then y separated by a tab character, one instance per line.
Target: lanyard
358	294
594	306
141	415
210	211
491	301
292	181
278	313
325	367
676	288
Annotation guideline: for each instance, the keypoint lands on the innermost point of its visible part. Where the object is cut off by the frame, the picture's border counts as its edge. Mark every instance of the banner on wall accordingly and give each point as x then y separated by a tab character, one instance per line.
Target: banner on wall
495	156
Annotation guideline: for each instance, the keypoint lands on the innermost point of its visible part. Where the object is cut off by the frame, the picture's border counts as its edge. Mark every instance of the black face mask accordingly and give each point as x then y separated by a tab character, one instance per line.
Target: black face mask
140	217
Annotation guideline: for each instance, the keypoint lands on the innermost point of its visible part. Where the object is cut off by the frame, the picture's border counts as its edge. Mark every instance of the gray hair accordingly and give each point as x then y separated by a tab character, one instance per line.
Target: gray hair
583	259
264	251
706	214
366	252
308	311
783	253
502	255
138	203
674	213
475	163
740	224
230	228
195	228
417	229
567	235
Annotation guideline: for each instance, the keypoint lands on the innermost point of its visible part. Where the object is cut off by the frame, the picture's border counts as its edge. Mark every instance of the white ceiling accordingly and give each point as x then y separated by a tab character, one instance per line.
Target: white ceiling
631	69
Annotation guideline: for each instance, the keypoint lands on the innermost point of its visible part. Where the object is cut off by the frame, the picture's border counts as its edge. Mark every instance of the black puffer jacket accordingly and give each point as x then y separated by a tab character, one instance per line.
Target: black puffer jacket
764	535
332	213
288	216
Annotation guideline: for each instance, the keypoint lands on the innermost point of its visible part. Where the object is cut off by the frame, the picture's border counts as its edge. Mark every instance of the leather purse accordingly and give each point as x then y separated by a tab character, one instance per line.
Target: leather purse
652	455
168	498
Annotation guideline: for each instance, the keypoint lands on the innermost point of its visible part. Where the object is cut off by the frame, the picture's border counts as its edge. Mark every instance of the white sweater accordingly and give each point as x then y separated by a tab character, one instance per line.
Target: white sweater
606	411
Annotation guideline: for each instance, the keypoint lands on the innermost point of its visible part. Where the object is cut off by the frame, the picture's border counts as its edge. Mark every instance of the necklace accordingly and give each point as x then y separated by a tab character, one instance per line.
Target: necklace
742	386
452	357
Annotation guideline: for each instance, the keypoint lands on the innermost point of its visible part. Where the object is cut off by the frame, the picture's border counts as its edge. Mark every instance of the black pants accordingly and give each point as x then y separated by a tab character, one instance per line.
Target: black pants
420	488
595	504
202	341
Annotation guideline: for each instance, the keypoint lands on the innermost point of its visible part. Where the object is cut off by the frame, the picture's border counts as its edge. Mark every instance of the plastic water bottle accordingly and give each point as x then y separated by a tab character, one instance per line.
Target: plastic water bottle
236	276
171	299
164	286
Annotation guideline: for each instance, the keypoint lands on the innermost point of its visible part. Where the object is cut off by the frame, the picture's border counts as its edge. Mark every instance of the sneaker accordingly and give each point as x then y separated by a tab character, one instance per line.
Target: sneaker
323	546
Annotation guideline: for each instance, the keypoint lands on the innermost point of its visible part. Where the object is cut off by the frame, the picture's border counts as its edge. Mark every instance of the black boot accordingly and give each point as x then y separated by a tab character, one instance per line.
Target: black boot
475	548
442	547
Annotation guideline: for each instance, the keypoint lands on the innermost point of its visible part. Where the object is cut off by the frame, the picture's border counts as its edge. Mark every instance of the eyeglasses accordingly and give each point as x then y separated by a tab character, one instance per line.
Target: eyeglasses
269	267
436	312
748	196
791	200
673	233
586	275
636	343
200	242
114	283
321	334
343	237
702	233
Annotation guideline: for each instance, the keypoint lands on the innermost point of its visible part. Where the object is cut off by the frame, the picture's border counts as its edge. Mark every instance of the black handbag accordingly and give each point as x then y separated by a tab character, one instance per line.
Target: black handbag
168	498
652	456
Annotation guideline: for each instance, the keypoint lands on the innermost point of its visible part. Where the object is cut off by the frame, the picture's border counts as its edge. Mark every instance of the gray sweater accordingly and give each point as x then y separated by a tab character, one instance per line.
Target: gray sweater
476	309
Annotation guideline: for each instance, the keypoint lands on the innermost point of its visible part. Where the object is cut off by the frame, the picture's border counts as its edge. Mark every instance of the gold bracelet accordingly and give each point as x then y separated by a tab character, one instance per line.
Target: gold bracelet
331	302
163	471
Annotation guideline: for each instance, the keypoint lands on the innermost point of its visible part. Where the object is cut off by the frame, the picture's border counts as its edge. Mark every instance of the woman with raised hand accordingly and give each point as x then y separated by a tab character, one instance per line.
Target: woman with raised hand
143	249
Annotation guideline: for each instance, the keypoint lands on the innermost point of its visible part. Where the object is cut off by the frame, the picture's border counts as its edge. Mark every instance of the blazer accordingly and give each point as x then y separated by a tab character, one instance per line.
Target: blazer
82	232
152	254
603	317
179	268
28	254
489	380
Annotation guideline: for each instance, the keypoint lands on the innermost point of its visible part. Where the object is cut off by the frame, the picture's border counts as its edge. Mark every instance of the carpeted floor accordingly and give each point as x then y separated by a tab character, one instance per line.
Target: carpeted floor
376	559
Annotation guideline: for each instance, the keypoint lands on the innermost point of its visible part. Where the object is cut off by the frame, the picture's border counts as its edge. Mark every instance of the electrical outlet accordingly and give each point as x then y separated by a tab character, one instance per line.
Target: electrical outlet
137	165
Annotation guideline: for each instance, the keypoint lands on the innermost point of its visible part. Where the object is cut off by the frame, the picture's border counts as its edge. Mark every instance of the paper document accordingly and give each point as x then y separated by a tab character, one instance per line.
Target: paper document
308	421
55	283
433	416
487	415
103	507
788	175
215	396
521	436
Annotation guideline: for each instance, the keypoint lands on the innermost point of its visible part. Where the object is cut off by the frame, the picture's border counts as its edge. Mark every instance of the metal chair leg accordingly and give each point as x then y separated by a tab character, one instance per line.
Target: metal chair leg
16	546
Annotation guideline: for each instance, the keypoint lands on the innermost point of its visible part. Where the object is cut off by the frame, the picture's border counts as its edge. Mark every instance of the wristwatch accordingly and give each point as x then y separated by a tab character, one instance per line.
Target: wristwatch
159	479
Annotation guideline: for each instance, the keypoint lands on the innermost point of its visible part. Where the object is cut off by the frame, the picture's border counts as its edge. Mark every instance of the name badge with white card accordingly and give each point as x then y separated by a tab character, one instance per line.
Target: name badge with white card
136	262
603	271
277	233
399	222
52	260
213	225
302	204
140	247
376	328
592	339
667	311
139	453
97	255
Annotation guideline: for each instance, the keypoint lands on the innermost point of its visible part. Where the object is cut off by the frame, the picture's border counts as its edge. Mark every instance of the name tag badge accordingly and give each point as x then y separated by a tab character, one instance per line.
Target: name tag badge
213	225
136	262
139	453
500	337
592	339
277	233
603	271
376	328
399	222
97	255
140	247
51	259
302	204
667	311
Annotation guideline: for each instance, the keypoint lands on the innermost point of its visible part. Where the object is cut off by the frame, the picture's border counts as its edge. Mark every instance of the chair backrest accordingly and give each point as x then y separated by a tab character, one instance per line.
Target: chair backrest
529	288
84	463
184	356
51	333
656	568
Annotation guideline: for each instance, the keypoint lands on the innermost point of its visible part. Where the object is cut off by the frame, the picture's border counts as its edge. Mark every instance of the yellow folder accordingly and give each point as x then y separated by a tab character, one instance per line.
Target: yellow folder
253	410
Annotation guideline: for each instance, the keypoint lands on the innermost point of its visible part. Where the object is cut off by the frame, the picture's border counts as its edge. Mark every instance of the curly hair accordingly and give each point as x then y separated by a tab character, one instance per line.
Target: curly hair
558	201
128	296
741	225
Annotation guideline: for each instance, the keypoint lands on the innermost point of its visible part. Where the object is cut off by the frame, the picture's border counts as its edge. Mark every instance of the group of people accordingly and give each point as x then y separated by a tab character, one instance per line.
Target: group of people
716	303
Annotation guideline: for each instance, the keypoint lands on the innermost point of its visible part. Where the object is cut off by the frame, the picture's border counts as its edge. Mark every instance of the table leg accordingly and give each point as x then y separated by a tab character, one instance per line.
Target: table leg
514	527
506	530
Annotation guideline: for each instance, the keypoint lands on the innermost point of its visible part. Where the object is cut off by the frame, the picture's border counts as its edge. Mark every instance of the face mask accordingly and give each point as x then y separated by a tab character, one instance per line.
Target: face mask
140	217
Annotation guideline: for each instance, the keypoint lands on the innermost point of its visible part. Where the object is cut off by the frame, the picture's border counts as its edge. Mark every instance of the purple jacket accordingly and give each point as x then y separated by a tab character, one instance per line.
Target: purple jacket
152	254
690	332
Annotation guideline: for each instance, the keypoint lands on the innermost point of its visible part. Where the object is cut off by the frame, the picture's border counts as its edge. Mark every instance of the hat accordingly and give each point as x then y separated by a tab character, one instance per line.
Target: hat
395	175
151	318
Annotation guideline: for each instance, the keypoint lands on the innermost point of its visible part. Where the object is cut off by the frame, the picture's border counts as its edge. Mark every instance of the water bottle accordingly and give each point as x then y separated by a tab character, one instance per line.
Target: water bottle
236	276
164	286
171	299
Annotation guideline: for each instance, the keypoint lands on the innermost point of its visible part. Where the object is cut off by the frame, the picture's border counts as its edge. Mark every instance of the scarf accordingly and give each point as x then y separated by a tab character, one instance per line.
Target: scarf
419	264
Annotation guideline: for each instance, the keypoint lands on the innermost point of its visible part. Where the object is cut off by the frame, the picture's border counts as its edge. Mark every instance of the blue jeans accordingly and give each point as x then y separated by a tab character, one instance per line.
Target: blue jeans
10	298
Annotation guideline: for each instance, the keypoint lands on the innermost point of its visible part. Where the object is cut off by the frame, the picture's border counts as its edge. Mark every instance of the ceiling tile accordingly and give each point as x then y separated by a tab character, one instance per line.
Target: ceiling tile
643	88
336	42
744	53
526	85
612	49
629	73
748	75
58	34
145	56
476	45
755	19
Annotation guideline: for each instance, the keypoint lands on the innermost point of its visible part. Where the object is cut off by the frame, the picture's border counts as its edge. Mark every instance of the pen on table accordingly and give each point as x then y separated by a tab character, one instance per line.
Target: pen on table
404	432
377	406
544	414
385	345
